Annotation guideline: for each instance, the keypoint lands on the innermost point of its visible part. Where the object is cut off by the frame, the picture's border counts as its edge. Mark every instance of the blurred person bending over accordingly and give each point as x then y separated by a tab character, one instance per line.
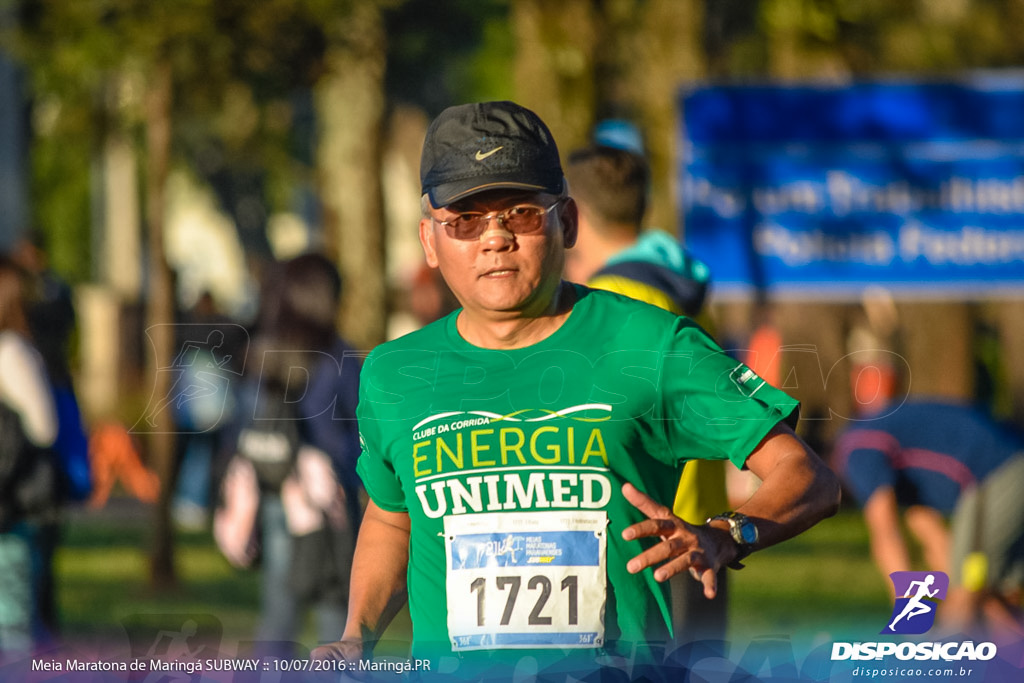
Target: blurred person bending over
28	487
292	483
954	477
611	253
520	452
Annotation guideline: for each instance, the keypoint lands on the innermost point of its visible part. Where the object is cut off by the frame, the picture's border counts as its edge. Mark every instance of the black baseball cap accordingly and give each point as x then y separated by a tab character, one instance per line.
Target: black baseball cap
485	146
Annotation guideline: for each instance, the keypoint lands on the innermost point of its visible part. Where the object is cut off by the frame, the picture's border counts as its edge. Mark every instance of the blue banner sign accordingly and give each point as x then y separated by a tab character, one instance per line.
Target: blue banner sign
820	192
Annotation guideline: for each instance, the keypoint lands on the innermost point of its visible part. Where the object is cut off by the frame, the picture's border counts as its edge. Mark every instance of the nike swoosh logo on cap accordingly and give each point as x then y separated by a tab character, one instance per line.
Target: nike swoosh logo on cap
480	156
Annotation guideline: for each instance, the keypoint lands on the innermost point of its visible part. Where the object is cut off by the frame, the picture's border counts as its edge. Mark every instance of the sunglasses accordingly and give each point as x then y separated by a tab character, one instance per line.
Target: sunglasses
521	219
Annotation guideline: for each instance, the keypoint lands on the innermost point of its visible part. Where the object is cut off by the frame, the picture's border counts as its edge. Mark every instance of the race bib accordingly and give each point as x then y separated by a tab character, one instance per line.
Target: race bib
526	580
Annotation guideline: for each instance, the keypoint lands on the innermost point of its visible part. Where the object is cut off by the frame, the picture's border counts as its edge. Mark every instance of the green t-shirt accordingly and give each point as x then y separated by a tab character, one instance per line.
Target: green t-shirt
510	464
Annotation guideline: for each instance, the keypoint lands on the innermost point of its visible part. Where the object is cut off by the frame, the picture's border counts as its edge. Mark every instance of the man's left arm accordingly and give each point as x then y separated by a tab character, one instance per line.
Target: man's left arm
797	491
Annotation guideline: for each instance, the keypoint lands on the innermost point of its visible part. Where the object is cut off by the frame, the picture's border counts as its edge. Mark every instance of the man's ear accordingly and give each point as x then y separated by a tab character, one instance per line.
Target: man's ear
570	217
427	241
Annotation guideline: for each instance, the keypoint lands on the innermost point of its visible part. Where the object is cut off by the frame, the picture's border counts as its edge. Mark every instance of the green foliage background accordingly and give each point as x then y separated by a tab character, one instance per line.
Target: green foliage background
239	66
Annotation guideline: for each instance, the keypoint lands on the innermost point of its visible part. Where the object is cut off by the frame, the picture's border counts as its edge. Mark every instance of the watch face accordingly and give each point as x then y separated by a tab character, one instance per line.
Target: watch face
749	533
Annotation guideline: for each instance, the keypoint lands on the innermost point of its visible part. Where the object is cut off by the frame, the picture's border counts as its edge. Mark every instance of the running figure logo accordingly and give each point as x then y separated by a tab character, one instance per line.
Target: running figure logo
917	594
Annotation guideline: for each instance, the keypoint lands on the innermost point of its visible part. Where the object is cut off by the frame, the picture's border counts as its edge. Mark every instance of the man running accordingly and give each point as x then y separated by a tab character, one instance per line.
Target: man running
520	454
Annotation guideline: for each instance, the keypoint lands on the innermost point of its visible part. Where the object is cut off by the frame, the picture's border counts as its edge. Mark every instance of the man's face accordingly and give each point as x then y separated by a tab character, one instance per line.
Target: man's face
501	275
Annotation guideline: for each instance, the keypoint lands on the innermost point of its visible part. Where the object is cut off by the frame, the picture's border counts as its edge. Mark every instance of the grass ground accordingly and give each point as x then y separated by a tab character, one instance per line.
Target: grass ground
818	586
102	570
821	583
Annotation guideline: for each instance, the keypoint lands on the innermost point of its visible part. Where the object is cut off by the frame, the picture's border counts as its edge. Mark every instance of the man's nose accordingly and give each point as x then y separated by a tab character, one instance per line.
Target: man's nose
496	237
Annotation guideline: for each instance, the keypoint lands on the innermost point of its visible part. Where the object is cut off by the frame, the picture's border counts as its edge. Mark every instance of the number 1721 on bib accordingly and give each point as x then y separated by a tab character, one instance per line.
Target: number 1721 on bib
529	580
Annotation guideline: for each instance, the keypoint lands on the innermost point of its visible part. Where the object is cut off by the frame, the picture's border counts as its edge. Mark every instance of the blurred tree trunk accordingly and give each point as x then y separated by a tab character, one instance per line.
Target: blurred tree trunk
584	60
160	316
664	54
351	110
814	343
938	340
555	64
1011	326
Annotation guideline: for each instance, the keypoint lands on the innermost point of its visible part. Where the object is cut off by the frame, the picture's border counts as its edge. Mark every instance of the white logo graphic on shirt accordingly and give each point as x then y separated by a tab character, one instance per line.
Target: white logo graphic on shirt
515	417
748	381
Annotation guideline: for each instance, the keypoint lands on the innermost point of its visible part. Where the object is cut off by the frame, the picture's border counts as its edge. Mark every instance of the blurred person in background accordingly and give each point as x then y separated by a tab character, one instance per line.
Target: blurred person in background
50	308
422	298
300	519
953	477
429	297
211	353
614	253
28	487
50	312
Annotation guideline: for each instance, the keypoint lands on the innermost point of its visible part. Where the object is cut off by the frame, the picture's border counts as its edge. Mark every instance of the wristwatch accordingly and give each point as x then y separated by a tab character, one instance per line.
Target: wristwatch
743	532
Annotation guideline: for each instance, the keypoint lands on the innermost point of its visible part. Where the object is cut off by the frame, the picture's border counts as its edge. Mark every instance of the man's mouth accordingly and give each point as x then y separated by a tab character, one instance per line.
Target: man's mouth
498	272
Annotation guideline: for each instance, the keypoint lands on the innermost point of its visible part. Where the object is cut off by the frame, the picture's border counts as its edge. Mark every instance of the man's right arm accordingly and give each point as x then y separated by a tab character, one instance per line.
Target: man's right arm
377	586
